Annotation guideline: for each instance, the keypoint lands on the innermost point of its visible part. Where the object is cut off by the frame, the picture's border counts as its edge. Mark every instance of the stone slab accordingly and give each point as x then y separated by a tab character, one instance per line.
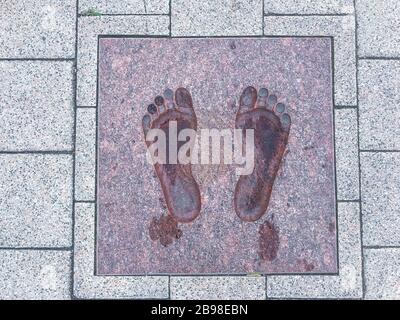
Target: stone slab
37	29
378	28
216	18
382	273
35	275
306	227
346	143
37	107
124	7
380	176
379	89
85	154
35	200
309	7
217	288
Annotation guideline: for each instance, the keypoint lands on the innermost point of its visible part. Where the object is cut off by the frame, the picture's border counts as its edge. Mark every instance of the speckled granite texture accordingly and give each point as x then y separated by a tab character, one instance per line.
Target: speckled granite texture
132	71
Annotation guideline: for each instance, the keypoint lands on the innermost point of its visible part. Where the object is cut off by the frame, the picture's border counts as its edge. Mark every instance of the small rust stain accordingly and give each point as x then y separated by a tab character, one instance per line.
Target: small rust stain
308	147
164	229
162	202
268	241
308	267
232	104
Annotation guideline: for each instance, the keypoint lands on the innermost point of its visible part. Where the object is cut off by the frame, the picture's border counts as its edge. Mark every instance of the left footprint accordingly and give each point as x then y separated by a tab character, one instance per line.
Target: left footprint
181	191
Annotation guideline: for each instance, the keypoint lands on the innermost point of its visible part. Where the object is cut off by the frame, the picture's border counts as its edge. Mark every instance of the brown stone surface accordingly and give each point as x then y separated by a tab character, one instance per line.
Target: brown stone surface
298	232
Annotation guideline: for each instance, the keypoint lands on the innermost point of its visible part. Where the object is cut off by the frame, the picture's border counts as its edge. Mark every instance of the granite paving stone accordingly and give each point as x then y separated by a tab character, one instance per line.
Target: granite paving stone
124	7
380	186
216	71
37	29
382	273
347	167
218	287
216	18
35	200
89	29
341	28
35	275
85	154
309	7
379	104
378	28
36	105
347	284
157	6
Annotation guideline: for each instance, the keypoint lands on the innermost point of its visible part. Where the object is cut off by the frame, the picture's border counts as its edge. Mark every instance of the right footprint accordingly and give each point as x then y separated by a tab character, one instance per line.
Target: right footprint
271	125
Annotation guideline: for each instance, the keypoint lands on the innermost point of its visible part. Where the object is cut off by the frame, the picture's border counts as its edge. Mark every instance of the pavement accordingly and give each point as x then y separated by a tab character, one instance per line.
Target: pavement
48	67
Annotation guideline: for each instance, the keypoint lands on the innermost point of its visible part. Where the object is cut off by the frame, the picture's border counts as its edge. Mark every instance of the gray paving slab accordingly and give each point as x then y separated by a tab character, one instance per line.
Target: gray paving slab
124	7
308	7
37	111
348	284
35	200
380	189
382	273
378	28
218	287
157	6
89	286
85	154
37	29
35	274
88	30
216	18
341	28
379	103
346	145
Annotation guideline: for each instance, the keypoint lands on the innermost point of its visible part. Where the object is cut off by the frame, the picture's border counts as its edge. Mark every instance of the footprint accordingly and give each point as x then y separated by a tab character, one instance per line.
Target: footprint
164	229
271	130
181	191
268	243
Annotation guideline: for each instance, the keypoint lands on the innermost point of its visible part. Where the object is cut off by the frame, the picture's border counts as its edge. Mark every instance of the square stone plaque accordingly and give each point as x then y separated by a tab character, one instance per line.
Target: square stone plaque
302	211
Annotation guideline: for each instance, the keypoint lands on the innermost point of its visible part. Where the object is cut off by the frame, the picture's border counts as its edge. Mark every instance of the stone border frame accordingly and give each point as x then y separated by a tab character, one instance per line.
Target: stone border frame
347	283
